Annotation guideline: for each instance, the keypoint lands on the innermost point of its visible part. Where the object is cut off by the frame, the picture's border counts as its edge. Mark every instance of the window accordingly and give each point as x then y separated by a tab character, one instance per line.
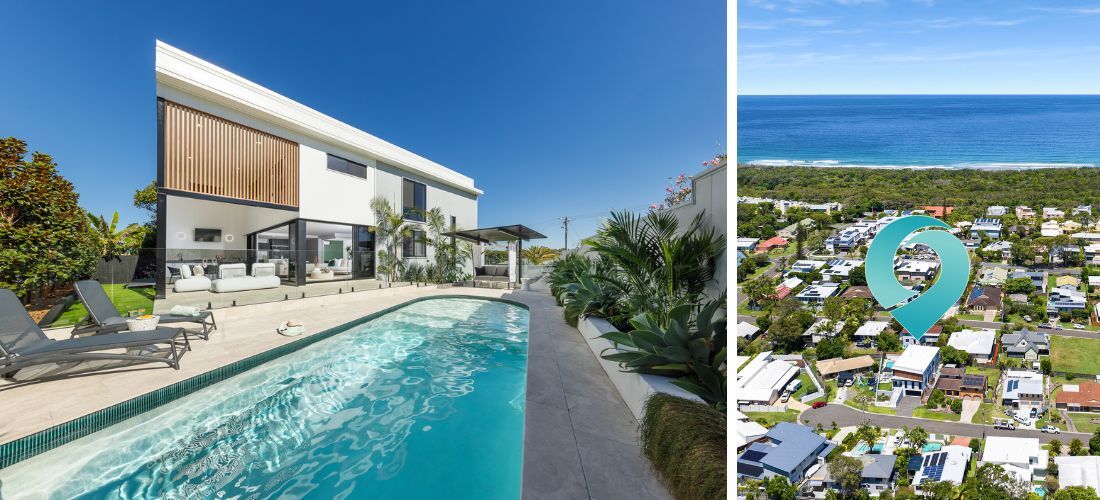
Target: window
414	246
341	165
414	200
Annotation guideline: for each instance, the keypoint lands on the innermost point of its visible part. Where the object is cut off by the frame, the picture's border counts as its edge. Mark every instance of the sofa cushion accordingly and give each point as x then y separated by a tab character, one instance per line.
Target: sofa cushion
192	284
185	272
262	269
226	271
198	270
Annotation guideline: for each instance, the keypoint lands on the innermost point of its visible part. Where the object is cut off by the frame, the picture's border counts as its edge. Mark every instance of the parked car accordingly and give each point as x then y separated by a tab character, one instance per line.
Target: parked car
1027	318
819	404
1004	423
1079	326
1044	325
1058	327
786	396
1050	429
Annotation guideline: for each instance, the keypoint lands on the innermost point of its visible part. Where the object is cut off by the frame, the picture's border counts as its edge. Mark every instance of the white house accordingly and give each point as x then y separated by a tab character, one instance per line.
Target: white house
916	369
1050	228
763	378
867	333
1078	471
248	176
1021	457
815	294
989	227
806	266
996	211
840	269
747	245
1066	298
1025	212
821	330
977	343
1023	390
1053	213
948	464
746	330
917	270
747	431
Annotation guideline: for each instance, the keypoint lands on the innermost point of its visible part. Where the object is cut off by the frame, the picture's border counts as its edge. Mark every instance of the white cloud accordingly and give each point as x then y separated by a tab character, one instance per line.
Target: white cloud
808	21
956	22
786	42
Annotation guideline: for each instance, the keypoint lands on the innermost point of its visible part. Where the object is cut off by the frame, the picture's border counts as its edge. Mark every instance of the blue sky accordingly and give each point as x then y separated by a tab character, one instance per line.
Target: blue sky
918	47
554	108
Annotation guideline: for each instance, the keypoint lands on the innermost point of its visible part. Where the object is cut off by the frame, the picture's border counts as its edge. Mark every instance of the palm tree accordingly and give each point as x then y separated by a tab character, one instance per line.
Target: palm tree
390	227
112	242
539	255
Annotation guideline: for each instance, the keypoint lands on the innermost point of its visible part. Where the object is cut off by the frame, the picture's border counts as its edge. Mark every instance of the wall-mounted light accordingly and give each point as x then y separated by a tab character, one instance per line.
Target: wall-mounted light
181	236
229	238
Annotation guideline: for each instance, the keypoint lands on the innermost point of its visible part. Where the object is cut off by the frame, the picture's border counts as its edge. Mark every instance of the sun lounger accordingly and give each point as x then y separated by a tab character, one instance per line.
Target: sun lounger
23	346
104	317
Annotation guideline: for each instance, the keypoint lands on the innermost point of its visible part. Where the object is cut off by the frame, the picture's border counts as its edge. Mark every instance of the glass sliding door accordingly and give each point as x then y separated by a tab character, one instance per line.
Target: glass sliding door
364	252
276	246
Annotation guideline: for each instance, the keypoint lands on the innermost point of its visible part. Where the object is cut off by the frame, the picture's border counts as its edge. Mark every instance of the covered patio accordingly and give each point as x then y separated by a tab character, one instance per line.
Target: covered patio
513	235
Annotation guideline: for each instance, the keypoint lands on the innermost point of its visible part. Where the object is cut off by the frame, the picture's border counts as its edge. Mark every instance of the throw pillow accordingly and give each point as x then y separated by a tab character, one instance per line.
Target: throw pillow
198	270
185	272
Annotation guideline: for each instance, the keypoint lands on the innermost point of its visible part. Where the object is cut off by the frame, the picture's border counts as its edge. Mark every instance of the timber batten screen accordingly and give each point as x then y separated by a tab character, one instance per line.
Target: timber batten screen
209	155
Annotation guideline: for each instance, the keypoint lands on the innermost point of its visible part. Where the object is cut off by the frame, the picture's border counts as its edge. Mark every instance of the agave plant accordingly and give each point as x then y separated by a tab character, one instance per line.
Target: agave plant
565	271
590	295
690	349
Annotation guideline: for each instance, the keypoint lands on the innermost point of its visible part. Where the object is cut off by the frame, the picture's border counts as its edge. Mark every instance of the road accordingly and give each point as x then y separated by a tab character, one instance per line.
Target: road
993	325
845	415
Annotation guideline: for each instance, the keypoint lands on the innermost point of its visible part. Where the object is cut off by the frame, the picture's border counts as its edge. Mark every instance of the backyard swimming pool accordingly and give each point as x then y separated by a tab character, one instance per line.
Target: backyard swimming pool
423	402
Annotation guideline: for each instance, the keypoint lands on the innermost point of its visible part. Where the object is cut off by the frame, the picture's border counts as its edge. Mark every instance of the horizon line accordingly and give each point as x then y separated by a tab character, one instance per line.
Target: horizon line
918	95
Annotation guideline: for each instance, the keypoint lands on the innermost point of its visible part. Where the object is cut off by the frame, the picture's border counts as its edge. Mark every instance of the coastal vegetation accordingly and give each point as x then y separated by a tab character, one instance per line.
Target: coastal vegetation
686	442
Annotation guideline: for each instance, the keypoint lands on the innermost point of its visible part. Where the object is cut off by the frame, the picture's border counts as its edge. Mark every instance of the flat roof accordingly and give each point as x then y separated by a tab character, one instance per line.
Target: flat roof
1010	450
499	233
1078	471
916	358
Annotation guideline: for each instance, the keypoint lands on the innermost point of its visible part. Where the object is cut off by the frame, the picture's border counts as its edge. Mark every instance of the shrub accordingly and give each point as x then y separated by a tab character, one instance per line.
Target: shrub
957	406
686	442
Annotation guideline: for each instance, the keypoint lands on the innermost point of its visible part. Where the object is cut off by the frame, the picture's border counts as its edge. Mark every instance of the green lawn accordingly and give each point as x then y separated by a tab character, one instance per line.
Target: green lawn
772	418
972	317
807	386
1081	420
1075	355
948	416
992	374
125	300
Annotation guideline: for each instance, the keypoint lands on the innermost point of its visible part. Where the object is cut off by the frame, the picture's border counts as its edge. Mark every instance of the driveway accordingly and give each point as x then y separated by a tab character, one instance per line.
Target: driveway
907	404
847	416
970	407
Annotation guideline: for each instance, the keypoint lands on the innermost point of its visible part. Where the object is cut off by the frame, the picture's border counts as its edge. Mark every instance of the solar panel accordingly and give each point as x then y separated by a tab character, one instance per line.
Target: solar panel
941	459
753	455
749	470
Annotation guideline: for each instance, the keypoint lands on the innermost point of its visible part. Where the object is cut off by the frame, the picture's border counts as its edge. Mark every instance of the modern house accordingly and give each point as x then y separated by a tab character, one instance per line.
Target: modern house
992	276
747	431
1078	471
762	379
1084	396
930	338
1003	249
955	382
917	270
838	270
850	237
806	266
822	329
988	227
1066	298
1023	390
948	464
248	176
1021	457
1024	212
1053	213
815	294
996	211
1050	229
977	343
747	245
1026	344
1038	278
788	450
984	298
867	334
916	369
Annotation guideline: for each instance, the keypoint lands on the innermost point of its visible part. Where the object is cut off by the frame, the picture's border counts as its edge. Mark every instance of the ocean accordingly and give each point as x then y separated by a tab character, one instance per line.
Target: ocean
966	131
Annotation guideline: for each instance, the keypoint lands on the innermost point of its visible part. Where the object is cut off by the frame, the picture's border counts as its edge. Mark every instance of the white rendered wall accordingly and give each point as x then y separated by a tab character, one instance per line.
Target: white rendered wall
235	222
333	196
709	197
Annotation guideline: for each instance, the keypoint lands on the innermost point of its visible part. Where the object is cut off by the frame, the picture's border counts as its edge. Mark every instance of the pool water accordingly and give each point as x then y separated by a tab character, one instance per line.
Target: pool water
877	447
928	447
423	402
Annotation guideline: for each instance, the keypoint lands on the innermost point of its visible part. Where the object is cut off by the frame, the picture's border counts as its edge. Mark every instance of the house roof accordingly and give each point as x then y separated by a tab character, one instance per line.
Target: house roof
948	464
859	291
916	358
746	329
837	365
878	466
1066	280
1010	450
1078	471
1021	382
762	377
1024	340
974	342
1085	394
871	329
932	330
773	242
790	445
984	296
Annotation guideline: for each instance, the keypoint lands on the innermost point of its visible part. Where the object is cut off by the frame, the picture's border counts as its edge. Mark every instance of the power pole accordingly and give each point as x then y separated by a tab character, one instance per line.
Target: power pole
565	225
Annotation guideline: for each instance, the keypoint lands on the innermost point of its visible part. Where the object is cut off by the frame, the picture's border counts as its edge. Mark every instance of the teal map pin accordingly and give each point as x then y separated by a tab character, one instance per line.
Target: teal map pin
919	314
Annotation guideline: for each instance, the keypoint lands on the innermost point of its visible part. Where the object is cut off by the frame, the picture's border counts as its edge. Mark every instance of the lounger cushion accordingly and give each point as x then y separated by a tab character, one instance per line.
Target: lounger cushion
192	284
108	341
245	283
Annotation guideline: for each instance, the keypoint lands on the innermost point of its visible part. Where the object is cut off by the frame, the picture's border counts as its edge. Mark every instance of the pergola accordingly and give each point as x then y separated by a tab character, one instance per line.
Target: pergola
515	232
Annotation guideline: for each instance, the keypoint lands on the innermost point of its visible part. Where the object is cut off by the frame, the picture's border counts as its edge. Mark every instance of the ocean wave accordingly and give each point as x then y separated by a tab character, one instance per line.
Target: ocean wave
965	165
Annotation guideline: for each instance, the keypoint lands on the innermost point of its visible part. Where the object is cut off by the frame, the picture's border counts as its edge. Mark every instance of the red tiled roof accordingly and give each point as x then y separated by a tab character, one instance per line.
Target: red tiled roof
782	292
1087	395
937	210
933	329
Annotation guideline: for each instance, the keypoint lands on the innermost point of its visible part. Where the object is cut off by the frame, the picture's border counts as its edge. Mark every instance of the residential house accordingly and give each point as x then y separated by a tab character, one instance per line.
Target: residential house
789	285
1092	251
1082	209
948	464
1022	390
996	211
815	294
988	227
1026	344
977	343
955	382
1019	298
850	237
984	298
746	431
248	176
995	276
916	369
1078	471
1023	212
876	477
747	245
1084	396
1021	457
763	378
1067	280
790	231
938	211
867	334
789	450
840	269
1002	248
747	331
1089	237
821	330
773	243
859	291
1065	299
850	366
806	266
931	337
1071	226
1038	278
917	270
1050	229
1053	213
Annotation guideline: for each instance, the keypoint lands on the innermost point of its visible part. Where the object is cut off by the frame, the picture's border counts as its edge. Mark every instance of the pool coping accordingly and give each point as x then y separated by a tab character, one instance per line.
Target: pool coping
28	446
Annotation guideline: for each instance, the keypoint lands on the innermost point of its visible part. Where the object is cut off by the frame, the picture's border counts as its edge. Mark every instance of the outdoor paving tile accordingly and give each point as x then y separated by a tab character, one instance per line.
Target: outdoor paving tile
584	375
544	381
616	470
551	463
610	419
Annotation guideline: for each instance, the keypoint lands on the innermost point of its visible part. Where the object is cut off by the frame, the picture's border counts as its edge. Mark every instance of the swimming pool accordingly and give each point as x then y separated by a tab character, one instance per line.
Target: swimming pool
929	447
423	402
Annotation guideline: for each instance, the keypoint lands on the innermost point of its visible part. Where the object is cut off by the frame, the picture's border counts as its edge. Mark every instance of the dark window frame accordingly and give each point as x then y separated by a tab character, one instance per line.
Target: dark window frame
344	166
414	246
410	210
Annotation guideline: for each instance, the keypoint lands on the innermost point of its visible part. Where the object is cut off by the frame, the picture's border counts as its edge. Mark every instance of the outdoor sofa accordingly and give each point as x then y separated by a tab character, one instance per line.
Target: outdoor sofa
103	317
188	282
491	273
234	278
24	347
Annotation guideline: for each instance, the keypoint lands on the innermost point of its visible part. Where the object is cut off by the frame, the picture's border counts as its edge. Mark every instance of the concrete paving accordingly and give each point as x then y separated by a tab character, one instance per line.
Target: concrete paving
580	438
969	408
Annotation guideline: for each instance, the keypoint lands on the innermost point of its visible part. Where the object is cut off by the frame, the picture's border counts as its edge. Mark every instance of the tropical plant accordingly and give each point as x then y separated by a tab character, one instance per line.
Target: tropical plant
590	295
690	349
44	235
539	255
113	242
658	264
391	228
686	442
450	255
567	270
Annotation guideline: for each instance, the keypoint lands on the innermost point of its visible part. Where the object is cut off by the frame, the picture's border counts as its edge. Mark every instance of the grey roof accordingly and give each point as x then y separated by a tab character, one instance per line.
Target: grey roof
1037	340
878	466
789	445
